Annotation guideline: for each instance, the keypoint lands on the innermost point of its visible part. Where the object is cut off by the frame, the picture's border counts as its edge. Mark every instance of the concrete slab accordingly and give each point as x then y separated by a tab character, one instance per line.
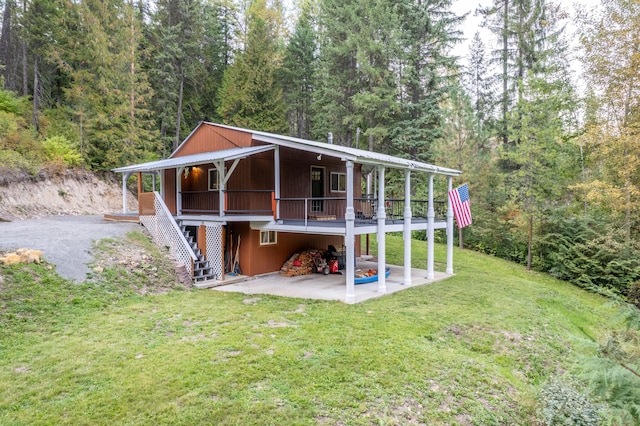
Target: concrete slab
329	287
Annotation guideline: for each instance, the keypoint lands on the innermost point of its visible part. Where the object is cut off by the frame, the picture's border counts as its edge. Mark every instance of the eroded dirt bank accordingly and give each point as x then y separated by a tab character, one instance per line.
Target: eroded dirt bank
71	193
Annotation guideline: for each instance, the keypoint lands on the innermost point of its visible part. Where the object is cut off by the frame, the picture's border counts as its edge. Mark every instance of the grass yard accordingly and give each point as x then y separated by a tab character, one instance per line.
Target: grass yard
471	350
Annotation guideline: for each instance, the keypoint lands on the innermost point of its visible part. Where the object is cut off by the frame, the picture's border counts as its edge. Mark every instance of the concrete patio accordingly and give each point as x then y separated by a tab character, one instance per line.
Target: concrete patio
328	287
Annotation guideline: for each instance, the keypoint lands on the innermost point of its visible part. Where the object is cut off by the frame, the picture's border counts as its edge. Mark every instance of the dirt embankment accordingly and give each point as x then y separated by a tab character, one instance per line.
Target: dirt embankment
76	192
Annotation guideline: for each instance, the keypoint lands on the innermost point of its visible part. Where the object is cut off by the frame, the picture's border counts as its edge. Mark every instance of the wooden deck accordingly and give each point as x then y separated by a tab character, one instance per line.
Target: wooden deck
122	217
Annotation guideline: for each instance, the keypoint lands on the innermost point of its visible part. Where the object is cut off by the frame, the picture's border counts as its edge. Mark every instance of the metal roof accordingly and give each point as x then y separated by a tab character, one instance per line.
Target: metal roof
356	155
195	159
343	152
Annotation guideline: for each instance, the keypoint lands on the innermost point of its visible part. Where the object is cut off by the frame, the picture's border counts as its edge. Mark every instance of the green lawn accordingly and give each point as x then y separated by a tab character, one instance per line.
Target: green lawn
473	349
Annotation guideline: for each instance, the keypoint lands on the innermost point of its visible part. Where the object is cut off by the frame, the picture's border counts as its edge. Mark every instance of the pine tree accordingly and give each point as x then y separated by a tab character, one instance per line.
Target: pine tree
178	34
428	30
298	74
109	95
250	95
479	85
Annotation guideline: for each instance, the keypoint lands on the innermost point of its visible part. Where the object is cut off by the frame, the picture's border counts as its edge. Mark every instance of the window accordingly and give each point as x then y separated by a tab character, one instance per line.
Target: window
268	238
338	182
214	180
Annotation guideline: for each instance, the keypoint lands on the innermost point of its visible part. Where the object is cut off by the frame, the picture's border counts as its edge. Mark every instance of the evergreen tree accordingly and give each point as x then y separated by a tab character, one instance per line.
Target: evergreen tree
479	85
178	35
109	95
250	95
428	31
299	73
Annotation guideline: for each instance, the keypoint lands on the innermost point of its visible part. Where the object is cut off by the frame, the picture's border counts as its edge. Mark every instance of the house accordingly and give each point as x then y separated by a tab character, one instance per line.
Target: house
228	193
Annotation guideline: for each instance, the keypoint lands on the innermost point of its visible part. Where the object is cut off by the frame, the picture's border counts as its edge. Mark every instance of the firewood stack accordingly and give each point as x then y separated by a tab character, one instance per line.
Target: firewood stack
301	263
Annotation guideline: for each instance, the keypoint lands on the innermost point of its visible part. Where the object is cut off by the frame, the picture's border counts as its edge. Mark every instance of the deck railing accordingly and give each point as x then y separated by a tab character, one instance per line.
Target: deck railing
262	202
236	202
366	209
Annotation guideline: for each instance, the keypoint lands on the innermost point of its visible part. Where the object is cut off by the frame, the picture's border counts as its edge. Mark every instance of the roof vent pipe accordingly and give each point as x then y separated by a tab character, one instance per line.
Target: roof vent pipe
331	138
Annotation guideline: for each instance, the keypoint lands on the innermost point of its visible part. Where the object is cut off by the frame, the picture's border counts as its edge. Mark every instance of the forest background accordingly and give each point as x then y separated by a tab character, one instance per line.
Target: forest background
552	171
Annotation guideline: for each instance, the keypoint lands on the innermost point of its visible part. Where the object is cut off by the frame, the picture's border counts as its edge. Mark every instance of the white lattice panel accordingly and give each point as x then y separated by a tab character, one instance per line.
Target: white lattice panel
214	249
164	234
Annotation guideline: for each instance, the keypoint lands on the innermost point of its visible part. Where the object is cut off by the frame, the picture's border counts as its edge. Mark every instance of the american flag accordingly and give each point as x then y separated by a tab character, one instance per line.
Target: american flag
460	202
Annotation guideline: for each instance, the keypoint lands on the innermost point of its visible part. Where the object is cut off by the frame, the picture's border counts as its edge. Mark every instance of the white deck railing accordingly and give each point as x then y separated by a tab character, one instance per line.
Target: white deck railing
166	233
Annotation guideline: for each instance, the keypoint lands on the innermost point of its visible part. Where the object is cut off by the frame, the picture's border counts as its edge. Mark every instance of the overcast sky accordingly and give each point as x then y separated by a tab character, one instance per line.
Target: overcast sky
474	23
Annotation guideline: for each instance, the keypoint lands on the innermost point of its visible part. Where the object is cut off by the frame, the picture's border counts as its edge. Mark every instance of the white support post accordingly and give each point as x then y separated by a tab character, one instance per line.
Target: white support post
276	169
179	190
349	239
222	179
431	215
407	227
161	176
153	182
125	176
382	217
449	269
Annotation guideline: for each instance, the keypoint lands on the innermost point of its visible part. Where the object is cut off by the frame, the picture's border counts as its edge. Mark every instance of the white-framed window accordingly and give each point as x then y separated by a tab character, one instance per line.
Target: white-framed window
268	238
338	182
214	180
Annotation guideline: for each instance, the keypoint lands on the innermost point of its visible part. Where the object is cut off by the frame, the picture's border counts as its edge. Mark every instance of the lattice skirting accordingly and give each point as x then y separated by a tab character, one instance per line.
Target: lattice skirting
165	234
214	248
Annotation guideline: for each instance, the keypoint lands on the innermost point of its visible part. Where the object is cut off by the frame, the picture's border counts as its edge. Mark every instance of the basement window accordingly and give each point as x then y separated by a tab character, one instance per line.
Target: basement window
268	238
338	182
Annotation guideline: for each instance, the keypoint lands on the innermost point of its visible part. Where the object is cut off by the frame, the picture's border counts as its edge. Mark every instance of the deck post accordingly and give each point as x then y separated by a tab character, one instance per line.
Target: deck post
161	183
449	269
125	176
179	191
349	239
276	169
407	227
431	215
221	186
382	217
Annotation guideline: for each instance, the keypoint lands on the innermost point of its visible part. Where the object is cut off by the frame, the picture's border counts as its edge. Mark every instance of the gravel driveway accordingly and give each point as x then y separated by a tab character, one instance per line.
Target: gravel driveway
64	240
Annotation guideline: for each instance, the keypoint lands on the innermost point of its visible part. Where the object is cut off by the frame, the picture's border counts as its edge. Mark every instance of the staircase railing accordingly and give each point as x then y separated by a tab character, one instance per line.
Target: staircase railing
165	232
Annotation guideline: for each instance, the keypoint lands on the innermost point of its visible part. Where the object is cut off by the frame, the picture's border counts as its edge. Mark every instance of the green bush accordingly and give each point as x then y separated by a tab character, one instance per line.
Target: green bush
13	161
58	148
8	124
562	404
9	103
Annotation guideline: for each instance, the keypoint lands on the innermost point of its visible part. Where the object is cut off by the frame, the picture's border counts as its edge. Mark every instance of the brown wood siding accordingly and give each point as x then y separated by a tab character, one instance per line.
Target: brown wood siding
146	204
256	259
209	138
170	190
296	173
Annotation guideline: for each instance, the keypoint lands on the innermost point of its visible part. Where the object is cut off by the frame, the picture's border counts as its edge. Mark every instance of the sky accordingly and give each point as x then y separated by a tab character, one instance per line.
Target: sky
474	23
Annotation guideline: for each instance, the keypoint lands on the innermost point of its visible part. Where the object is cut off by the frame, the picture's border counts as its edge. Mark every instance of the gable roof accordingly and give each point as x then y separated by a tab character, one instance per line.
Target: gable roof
195	159
343	152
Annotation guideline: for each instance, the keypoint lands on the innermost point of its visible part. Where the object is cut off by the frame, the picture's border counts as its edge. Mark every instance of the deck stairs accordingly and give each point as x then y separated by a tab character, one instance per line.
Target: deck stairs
202	270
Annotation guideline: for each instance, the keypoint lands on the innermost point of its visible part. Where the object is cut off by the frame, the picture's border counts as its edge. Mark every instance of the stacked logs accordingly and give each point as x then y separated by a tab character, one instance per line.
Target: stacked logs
303	263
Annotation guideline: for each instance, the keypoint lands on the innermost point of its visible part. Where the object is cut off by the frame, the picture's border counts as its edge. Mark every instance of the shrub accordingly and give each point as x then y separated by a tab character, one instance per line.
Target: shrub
9	103
562	404
59	148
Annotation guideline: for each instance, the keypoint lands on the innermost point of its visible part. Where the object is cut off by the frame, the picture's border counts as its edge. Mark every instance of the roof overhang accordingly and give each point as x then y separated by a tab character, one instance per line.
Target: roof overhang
346	153
195	159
